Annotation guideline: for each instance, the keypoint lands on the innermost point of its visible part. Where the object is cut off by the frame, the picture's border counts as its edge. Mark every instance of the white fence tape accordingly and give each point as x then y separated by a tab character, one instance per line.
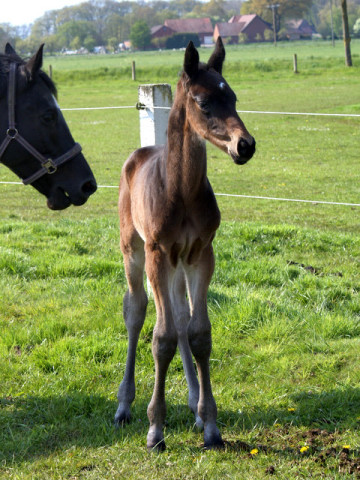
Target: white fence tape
257	197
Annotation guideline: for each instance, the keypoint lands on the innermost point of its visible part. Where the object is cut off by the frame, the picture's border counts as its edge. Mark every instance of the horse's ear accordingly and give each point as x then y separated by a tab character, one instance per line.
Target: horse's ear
217	58
35	62
191	60
9	50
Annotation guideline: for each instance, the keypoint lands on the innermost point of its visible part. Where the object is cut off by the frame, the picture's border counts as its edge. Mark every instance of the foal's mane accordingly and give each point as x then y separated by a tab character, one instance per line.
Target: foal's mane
24	78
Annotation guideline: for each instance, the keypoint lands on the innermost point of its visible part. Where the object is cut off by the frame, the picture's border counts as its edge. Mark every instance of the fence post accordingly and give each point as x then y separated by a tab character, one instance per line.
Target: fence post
295	63
154	120
133	71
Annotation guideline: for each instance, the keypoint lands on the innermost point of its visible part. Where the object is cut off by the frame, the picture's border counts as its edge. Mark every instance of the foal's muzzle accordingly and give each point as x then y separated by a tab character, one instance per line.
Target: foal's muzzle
245	150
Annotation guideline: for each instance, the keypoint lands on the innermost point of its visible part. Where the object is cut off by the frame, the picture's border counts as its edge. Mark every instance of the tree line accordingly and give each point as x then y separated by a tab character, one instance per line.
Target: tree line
110	23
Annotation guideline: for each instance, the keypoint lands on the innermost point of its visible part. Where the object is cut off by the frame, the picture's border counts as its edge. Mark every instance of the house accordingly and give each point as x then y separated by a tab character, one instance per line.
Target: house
229	32
201	26
161	31
252	26
298	29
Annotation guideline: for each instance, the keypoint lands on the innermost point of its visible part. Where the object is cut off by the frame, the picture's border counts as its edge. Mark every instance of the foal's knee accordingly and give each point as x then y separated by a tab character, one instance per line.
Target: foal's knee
200	343
164	345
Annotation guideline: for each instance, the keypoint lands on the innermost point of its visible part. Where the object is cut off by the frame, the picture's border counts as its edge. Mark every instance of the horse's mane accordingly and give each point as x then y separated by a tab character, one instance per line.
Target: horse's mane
6	59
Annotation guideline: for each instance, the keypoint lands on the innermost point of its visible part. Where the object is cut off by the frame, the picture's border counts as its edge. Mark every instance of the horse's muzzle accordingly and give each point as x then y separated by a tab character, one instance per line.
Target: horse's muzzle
59	199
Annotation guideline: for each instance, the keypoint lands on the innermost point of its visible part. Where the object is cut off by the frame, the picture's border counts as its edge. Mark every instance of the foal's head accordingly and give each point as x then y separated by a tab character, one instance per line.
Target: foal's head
211	105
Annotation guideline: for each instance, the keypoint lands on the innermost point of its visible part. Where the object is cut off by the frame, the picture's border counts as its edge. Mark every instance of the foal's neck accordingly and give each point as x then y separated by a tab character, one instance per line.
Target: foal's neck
186	152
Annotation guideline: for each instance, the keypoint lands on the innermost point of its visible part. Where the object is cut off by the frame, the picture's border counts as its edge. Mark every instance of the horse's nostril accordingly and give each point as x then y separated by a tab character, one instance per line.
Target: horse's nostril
89	187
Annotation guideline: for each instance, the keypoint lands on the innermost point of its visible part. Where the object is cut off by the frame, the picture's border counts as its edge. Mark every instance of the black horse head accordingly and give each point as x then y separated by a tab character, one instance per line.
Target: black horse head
35	141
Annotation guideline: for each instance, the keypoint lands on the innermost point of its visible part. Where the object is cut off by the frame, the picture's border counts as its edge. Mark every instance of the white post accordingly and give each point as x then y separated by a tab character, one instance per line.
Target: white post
154	120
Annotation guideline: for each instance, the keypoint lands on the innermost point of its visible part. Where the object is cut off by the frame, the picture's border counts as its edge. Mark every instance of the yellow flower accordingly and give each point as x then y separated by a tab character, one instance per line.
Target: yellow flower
346	447
304	449
291	409
254	451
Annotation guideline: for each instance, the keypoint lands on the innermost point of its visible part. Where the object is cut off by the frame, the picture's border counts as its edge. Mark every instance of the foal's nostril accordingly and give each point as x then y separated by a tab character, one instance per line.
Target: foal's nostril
89	187
246	149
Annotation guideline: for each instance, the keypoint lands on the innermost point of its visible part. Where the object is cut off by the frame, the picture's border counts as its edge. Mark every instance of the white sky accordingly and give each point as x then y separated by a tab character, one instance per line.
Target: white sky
20	12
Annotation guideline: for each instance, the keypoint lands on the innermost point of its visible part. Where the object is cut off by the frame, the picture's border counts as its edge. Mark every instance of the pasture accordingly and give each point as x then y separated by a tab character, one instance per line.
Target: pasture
284	300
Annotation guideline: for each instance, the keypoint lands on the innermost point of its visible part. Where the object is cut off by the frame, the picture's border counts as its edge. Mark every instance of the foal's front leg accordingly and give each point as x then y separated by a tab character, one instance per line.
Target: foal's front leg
134	309
160	272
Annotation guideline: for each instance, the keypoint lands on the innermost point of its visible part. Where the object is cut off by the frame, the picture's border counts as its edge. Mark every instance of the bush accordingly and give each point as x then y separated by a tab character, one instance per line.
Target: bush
181	40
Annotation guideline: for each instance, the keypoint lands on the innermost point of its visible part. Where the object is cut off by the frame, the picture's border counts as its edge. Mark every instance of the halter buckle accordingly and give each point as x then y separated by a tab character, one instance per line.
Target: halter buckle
12	132
50	166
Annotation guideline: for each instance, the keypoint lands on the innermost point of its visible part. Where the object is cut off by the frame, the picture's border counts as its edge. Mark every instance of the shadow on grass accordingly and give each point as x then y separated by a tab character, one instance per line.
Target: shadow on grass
336	409
36	427
32	426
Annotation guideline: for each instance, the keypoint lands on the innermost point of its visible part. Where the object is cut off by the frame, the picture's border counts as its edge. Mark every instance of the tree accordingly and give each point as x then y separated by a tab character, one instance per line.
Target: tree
346	33
68	31
113	43
140	35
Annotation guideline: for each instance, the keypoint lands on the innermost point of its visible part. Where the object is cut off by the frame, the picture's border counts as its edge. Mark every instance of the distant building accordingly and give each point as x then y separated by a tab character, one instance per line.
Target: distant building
251	25
161	31
298	29
201	26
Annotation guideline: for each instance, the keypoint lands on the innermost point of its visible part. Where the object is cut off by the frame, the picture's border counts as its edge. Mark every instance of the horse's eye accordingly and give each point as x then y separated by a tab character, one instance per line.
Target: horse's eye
49	117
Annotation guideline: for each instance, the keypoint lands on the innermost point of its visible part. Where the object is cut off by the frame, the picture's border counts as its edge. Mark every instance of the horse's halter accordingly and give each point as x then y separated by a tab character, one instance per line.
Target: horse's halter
48	165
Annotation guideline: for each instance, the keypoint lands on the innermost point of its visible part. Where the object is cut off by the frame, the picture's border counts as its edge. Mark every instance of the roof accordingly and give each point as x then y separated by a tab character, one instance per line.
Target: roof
229	29
245	19
300	26
191	25
157	28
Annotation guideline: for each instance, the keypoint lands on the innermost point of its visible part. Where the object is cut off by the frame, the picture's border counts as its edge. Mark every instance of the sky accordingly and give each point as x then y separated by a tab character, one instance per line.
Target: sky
20	12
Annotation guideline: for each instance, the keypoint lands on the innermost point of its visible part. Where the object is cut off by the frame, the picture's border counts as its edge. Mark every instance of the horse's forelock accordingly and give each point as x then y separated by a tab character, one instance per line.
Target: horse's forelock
24	79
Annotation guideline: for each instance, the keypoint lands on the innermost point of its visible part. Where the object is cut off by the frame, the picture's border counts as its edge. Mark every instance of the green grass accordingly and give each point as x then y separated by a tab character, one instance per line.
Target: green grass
284	300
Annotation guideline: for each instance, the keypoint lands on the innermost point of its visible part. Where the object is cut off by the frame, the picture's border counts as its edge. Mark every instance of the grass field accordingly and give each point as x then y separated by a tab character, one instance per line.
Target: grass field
284	301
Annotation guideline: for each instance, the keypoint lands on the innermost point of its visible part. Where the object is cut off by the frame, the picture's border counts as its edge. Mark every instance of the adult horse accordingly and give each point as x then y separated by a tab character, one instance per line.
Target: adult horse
35	142
168	219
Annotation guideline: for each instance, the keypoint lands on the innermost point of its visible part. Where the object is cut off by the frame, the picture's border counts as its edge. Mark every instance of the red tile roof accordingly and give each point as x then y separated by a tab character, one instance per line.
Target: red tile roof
191	25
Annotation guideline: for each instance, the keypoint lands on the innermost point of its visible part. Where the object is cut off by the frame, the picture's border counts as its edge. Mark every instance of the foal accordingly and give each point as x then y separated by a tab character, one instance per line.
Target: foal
168	219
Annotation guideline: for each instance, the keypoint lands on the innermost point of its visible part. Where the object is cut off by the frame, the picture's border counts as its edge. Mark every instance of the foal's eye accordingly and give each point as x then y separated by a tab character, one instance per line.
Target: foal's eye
205	107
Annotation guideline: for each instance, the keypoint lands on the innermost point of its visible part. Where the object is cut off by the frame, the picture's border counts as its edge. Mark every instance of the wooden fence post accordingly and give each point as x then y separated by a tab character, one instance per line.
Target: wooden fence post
133	71
50	71
154	104
295	63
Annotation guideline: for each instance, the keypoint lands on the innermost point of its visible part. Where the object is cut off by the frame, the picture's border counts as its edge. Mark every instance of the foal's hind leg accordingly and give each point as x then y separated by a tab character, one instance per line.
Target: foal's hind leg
181	313
199	331
134	309
160	274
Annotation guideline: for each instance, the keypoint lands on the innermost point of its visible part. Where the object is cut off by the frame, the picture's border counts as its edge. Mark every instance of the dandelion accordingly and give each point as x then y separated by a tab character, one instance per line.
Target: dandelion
254	451
304	449
291	409
346	447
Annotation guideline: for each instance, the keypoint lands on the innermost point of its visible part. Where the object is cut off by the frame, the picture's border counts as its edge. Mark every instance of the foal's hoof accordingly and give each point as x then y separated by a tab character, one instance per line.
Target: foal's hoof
122	416
155	441
217	445
212	438
157	448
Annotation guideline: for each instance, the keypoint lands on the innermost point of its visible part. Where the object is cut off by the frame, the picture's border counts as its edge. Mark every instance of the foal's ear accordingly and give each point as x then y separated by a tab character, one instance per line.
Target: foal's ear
35	62
217	58
191	60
